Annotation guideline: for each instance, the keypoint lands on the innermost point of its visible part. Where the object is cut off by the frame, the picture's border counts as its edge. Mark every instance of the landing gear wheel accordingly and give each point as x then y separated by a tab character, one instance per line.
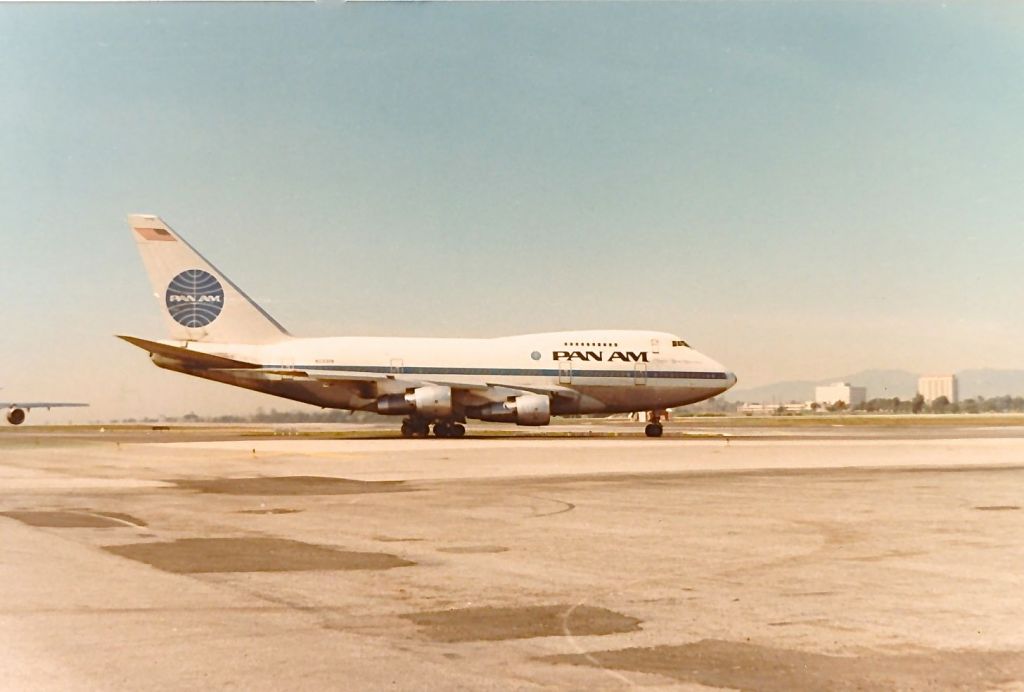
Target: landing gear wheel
442	430
653	430
458	430
415	428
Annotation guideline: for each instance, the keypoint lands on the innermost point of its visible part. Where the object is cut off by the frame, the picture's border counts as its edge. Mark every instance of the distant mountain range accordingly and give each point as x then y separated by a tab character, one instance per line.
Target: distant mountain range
887	383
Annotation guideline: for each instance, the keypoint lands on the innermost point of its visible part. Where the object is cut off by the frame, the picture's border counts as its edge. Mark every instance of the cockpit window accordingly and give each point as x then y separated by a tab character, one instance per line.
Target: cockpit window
680	342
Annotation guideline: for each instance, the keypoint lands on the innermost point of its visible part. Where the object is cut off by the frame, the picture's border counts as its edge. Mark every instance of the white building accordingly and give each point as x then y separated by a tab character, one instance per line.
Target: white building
831	394
931	387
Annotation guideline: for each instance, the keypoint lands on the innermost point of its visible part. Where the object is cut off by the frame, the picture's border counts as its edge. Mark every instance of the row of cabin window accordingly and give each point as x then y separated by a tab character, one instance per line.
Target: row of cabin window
678	342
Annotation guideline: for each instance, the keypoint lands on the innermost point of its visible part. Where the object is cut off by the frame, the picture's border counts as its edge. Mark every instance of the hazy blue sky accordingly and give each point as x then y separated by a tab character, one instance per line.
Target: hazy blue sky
802	190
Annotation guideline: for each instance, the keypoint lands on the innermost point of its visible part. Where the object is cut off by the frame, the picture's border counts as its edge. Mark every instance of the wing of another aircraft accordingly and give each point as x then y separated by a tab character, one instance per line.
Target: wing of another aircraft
17	410
38	404
26	405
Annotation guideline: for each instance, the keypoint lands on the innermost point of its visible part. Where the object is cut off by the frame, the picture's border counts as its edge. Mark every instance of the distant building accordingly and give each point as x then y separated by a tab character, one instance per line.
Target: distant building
931	387
832	394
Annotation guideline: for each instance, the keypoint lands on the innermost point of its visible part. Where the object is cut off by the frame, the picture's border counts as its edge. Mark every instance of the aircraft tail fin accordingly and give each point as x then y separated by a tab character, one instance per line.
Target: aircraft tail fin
198	302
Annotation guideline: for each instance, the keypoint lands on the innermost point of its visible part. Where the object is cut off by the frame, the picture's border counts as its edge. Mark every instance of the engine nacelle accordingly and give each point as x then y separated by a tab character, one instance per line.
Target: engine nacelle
528	409
16	416
432	401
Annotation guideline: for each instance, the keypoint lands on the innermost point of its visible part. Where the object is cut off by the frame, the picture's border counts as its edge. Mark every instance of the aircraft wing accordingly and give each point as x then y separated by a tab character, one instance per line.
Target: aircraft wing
342	376
550	390
278	374
499	389
38	404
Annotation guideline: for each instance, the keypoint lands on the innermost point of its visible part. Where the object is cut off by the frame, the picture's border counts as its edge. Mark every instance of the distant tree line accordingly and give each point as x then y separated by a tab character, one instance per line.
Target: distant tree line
269	417
996	404
980	404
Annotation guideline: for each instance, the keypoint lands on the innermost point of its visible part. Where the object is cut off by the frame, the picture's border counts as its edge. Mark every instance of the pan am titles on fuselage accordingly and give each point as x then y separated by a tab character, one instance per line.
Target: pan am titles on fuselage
218	333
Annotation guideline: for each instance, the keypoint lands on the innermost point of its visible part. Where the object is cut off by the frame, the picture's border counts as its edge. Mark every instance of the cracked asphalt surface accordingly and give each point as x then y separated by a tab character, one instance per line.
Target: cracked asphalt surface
196	560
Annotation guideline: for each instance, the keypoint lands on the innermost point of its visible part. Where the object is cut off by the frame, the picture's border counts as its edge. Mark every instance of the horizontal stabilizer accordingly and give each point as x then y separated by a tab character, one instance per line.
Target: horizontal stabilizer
186	355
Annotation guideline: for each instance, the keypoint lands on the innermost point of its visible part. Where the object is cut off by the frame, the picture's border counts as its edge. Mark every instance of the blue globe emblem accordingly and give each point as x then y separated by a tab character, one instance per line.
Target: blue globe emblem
194	298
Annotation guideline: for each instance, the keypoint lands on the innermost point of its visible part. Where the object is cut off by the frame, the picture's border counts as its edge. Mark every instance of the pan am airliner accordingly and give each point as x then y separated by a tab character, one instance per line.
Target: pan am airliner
218	333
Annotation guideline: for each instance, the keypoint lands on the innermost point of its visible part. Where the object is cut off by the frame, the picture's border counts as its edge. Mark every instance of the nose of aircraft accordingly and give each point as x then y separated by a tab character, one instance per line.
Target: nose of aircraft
730	376
730	380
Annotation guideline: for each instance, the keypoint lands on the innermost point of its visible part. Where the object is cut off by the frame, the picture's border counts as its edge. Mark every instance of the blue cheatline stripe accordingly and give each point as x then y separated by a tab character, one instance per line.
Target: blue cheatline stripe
508	372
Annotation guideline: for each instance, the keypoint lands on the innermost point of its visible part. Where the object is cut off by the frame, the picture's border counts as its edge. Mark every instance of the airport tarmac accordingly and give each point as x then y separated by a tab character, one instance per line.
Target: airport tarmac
203	558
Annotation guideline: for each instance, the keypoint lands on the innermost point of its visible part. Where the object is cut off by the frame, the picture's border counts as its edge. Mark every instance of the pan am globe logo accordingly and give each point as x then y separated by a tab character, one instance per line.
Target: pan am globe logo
194	298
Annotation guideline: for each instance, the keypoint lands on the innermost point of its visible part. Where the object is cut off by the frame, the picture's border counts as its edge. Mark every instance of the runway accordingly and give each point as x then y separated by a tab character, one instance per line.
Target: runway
201	558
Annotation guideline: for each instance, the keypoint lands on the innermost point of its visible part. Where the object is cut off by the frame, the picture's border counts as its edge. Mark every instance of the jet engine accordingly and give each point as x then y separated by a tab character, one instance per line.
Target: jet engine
431	401
528	409
16	416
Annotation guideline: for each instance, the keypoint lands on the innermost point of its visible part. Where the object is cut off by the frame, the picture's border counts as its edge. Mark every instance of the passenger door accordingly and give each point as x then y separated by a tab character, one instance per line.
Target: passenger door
640	374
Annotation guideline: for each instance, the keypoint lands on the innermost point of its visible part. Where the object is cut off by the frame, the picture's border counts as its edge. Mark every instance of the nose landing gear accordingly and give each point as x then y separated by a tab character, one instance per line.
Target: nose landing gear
654	427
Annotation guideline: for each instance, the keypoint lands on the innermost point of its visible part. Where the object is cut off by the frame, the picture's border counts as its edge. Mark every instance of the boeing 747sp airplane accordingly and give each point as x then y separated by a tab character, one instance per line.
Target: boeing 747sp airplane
218	333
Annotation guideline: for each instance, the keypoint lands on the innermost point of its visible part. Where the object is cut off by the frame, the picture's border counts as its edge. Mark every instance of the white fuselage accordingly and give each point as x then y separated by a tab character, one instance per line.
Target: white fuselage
594	371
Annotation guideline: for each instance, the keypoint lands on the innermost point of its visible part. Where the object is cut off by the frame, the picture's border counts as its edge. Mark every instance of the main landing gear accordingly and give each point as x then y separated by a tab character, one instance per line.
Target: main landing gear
420	427
415	427
449	429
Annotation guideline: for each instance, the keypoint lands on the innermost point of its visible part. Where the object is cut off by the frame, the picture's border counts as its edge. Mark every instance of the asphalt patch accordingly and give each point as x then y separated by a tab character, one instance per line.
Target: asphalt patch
498	624
745	666
290	485
192	555
73	519
396	539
